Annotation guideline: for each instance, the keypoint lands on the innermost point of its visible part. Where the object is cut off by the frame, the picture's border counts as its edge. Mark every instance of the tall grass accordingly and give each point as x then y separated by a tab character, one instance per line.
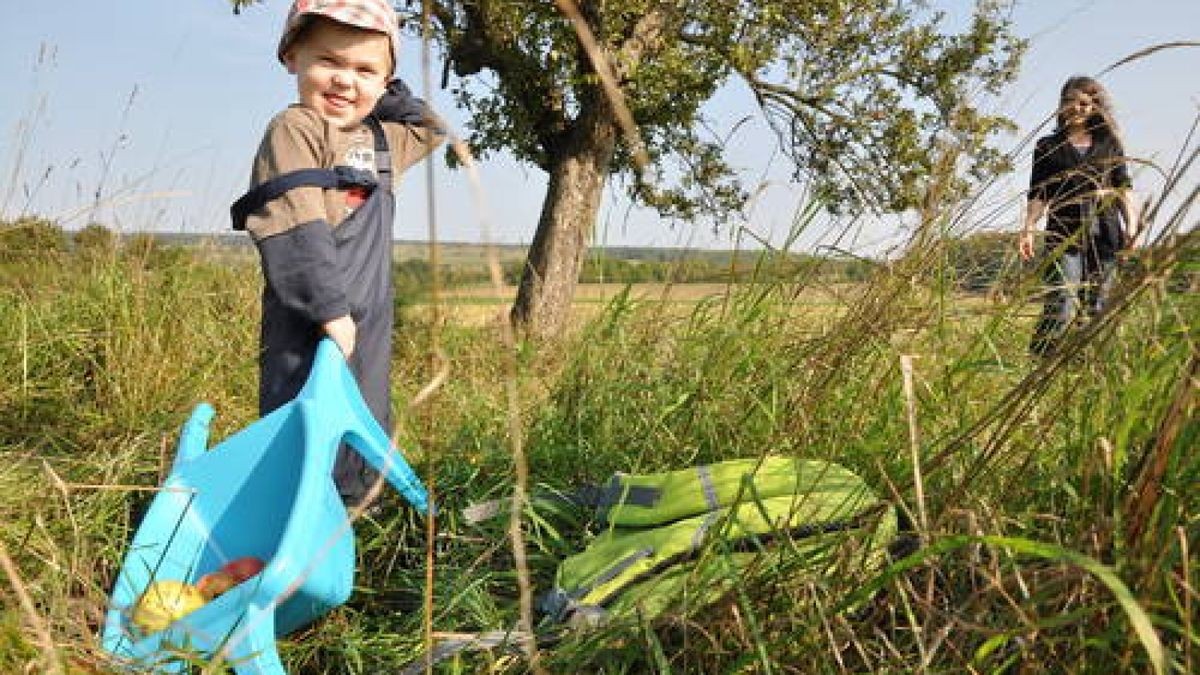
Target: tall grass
1060	496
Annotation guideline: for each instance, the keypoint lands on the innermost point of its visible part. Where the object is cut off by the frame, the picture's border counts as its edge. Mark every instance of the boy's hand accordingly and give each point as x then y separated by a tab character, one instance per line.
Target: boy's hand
343	332
399	105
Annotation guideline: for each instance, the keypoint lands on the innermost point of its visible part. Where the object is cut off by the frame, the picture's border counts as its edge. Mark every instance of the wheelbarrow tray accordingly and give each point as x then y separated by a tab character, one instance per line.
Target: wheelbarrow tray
266	492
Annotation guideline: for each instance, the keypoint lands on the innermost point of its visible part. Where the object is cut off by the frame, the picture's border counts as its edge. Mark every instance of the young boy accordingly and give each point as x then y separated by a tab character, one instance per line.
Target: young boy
320	207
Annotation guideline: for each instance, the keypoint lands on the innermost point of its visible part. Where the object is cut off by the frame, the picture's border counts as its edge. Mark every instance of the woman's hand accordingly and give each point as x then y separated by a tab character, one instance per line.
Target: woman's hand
1025	245
1034	210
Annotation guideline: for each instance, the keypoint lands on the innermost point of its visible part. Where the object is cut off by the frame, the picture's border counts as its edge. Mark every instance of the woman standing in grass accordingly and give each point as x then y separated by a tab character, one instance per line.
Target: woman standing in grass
1079	182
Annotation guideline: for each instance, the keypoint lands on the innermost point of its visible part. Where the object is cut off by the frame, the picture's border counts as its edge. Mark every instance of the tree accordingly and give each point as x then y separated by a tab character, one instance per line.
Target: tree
31	237
858	90
95	240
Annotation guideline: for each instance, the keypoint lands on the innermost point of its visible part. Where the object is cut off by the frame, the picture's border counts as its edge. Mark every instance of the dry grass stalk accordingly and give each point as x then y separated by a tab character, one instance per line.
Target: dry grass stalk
1145	496
50	655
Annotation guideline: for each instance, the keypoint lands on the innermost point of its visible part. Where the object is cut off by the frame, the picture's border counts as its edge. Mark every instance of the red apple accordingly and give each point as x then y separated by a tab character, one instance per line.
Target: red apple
242	569
215	583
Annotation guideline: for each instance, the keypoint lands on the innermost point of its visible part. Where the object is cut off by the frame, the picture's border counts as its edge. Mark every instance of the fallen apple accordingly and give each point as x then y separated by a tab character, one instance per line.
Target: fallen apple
164	602
242	569
215	583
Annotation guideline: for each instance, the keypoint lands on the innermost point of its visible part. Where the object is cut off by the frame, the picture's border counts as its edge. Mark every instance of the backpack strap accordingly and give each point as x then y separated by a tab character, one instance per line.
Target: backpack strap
616	492
600	497
339	177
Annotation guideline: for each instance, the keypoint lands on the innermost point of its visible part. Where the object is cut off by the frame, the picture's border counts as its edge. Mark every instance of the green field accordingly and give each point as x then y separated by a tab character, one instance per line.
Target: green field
1056	502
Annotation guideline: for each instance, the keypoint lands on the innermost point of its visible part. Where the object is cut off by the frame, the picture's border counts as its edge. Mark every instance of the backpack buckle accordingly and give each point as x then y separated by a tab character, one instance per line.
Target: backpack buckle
349	176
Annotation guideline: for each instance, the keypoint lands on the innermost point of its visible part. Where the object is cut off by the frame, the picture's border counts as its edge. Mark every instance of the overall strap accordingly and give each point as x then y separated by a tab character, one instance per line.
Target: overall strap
339	177
383	154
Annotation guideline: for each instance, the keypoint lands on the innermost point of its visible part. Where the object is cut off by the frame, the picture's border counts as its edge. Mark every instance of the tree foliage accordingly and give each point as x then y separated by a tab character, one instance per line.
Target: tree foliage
862	93
868	95
31	236
95	238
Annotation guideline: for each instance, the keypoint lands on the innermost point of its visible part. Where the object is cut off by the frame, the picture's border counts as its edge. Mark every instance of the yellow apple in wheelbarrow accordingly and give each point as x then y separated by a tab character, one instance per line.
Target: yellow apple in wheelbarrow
164	602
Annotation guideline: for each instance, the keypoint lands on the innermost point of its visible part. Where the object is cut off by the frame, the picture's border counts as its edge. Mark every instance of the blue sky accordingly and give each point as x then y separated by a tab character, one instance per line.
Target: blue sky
158	107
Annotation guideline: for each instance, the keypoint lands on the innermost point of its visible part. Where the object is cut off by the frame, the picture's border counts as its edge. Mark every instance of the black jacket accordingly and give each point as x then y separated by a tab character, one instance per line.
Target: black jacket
1069	181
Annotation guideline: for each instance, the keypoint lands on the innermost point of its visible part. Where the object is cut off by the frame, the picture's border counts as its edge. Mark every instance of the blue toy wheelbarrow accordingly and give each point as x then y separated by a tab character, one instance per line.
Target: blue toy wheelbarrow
265	492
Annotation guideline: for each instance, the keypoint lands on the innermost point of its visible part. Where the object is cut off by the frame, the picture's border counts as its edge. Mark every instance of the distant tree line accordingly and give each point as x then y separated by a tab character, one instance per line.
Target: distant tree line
705	267
34	236
984	261
977	263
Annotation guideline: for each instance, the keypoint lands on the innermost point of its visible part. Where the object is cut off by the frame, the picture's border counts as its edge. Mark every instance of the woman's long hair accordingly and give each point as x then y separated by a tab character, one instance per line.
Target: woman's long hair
1103	122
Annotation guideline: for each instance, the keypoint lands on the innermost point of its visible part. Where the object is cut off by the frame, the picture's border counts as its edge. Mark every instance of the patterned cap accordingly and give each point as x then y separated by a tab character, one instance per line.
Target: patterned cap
376	15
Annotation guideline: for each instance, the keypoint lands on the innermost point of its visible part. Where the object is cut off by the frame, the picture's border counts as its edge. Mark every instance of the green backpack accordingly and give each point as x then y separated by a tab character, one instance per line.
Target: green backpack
684	537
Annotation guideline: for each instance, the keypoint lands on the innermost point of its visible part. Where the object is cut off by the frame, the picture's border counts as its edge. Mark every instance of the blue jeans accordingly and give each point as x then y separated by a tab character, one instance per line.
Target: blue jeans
1073	283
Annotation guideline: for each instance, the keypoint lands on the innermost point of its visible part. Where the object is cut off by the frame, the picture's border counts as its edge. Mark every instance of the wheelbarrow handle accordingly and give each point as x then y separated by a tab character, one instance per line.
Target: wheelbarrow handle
193	439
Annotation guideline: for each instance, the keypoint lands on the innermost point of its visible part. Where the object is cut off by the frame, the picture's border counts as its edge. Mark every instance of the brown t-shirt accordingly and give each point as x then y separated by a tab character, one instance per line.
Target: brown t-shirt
298	138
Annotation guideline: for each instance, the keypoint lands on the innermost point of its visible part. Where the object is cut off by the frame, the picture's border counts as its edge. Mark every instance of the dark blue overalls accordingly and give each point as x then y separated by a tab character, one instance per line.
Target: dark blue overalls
363	253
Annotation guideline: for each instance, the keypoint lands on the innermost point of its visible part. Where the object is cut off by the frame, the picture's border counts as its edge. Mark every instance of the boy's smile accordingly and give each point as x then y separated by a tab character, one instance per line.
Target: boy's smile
340	71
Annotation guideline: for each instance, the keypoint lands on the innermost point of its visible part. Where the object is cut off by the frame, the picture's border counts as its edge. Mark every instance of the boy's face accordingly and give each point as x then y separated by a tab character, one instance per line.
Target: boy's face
340	71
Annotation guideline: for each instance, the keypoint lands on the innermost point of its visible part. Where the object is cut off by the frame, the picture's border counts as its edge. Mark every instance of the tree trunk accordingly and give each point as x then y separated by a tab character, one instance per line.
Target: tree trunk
577	179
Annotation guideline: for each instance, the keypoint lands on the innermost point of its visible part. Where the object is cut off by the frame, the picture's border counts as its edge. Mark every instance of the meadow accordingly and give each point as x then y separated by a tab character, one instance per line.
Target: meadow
1054	501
